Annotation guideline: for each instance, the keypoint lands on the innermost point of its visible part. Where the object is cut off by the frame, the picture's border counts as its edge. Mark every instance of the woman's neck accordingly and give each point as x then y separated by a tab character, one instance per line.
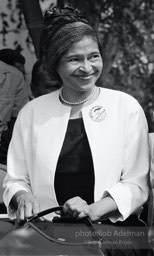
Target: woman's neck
76	96
76	111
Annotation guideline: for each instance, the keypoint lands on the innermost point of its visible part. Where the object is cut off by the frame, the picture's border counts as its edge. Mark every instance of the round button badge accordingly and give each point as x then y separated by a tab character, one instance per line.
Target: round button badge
97	113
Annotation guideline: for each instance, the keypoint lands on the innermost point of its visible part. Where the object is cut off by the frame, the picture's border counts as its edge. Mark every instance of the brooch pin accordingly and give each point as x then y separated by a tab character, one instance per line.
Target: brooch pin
97	113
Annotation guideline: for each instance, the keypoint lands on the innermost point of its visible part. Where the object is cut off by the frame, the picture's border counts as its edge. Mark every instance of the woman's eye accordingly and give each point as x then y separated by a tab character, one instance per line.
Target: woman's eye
74	60
95	56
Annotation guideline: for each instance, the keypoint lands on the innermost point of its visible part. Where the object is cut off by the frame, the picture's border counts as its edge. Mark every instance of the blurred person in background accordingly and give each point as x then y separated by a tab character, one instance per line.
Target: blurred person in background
13	94
14	58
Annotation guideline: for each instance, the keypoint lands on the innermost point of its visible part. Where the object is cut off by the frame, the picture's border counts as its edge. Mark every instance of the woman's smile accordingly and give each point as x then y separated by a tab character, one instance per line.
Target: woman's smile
85	77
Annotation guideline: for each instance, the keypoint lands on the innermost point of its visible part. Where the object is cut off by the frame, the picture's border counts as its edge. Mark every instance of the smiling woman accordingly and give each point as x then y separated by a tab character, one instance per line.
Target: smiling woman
83	147
74	55
80	68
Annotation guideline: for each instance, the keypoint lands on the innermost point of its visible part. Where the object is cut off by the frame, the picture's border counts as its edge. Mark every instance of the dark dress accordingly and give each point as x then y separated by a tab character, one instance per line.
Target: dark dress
75	173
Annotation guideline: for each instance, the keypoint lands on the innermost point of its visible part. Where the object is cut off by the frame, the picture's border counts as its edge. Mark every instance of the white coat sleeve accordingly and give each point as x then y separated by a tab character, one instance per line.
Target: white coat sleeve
17	177
132	190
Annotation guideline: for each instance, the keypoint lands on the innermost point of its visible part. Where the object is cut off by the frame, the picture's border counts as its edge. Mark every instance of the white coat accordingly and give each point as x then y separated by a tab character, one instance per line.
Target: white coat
117	132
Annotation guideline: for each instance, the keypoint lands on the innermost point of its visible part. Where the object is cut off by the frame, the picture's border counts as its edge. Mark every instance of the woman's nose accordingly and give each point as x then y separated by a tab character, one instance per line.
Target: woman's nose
86	66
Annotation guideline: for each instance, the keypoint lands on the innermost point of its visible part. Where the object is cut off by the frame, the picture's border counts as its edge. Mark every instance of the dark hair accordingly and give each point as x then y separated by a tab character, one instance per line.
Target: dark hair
36	74
62	28
10	56
35	71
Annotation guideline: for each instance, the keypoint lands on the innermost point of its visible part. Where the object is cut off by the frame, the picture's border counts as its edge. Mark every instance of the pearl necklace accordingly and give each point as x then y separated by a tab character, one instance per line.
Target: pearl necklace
79	102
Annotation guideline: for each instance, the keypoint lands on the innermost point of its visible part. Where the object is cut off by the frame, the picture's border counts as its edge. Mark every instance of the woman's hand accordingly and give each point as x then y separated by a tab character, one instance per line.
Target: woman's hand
76	207
26	205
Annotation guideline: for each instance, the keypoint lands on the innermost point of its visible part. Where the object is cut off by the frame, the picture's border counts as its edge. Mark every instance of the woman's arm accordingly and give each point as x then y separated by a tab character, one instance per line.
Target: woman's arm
17	177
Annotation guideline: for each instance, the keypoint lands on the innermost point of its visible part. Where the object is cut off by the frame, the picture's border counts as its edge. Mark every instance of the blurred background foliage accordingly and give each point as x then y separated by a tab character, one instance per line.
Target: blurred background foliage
127	32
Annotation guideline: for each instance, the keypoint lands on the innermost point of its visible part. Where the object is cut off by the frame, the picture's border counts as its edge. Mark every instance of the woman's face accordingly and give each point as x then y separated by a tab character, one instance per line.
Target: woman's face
81	66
